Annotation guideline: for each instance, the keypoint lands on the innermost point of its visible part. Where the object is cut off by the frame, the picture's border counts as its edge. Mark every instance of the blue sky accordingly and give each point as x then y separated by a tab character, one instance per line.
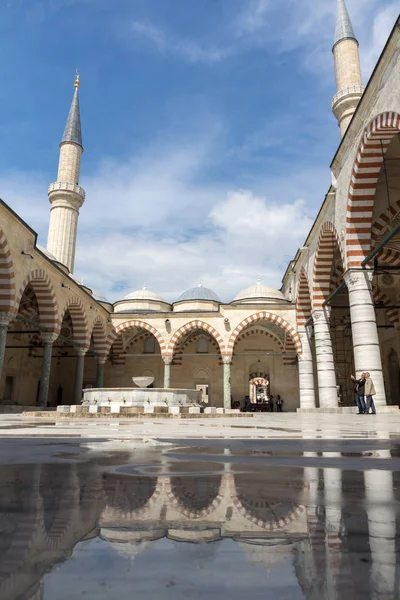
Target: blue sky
206	125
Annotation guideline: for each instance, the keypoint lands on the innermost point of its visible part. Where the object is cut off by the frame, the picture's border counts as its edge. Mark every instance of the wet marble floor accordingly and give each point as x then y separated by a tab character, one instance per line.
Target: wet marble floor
292	508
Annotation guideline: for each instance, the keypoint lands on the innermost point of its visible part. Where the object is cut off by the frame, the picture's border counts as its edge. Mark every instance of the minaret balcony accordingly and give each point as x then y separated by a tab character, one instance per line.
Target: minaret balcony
355	91
64	186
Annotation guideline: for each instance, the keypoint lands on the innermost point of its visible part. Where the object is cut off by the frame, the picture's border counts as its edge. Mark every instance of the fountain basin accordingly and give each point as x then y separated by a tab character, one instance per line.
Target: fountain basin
141	397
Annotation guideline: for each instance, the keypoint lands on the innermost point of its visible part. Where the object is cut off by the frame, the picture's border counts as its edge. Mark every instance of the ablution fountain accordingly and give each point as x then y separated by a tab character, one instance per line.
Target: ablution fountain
141	399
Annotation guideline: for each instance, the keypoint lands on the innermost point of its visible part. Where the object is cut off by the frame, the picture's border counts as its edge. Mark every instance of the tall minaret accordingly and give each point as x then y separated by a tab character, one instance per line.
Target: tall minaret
347	66
65	195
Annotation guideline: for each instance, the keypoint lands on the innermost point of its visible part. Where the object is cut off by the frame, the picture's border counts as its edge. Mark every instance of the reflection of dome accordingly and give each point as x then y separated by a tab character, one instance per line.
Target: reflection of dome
199	293
259	293
143	294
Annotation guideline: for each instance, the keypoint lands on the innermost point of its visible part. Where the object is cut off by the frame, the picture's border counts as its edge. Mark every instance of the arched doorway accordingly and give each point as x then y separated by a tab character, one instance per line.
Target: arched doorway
394	377
262	347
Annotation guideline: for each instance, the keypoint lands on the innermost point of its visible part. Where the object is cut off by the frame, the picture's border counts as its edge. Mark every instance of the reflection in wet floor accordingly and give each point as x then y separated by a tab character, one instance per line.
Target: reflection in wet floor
175	524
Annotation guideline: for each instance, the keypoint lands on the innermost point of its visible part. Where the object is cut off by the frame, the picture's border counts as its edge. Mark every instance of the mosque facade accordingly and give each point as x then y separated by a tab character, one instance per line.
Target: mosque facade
337	312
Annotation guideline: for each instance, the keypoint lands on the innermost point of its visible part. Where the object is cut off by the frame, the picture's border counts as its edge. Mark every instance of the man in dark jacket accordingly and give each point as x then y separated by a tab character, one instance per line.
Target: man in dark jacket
359	390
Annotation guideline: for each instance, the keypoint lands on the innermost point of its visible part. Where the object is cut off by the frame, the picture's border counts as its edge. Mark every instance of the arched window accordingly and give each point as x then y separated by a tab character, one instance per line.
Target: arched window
149	345
202	345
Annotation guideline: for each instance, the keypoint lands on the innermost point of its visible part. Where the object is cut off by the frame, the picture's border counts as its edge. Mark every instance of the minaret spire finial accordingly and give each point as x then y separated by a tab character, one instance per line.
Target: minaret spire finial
344	29
72	131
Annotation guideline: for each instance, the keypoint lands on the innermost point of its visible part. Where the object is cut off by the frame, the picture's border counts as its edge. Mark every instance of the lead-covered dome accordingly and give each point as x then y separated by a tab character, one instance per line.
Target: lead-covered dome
143	294
259	293
199	293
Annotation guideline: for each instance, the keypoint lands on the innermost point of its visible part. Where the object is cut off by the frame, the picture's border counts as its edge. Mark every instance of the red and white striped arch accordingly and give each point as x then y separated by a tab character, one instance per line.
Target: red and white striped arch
264	316
46	299
303	300
80	329
185	329
99	337
328	243
112	337
7	277
367	167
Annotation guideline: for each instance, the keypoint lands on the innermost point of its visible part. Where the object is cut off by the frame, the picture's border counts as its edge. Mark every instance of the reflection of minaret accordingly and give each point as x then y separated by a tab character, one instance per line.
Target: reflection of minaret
349	88
65	195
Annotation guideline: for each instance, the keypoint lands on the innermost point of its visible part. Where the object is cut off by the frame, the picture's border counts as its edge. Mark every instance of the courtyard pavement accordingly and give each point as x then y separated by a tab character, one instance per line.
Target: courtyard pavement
278	506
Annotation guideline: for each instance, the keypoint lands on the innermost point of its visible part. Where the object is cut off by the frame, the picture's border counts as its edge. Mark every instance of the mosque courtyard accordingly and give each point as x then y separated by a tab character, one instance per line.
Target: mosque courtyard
276	506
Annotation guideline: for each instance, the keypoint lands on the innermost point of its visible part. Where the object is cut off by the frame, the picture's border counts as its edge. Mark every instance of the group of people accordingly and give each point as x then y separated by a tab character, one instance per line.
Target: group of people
268	402
365	391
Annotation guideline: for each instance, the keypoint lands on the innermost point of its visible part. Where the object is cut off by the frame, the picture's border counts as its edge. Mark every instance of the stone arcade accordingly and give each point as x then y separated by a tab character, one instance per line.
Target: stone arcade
337	311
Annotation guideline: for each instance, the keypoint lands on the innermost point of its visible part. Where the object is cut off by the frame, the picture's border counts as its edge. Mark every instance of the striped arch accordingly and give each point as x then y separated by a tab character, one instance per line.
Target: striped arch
80	329
131	325
367	167
117	352
261	375
264	316
289	349
182	331
387	256
7	277
303	300
99	337
46	299
328	242
380	297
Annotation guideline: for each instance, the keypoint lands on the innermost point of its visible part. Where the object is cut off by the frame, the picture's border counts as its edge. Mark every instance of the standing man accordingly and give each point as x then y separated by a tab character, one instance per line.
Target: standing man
359	391
369	392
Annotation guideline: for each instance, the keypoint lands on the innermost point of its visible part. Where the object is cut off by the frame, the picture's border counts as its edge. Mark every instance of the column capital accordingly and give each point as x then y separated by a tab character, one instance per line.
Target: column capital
48	337
6	317
101	360
81	350
358	279
168	359
227	359
320	314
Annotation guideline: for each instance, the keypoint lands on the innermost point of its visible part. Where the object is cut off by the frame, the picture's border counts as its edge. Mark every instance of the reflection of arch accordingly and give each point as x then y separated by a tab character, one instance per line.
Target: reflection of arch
99	337
45	297
367	167
269	515
129	494
303	300
182	331
195	496
7	277
80	330
265	316
131	325
328	243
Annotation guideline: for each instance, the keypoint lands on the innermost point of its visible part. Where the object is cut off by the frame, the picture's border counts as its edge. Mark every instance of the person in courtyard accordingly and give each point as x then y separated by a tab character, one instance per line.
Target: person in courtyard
247	404
279	403
271	403
369	390
359	390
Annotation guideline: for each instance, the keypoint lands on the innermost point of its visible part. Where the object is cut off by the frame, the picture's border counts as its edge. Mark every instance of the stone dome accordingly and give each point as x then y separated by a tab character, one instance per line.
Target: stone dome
143	294
99	297
198	293
259	293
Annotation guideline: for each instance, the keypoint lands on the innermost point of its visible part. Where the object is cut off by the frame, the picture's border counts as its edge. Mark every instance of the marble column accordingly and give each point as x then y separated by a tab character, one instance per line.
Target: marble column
101	361
5	319
306	371
227	360
325	362
381	512
48	341
80	366
167	371
367	352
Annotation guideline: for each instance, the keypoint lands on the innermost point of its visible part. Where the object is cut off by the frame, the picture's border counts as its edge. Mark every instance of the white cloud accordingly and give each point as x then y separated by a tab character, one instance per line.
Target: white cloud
189	49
